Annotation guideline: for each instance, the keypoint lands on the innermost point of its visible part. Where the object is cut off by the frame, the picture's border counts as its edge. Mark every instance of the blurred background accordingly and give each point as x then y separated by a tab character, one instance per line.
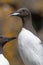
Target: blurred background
10	26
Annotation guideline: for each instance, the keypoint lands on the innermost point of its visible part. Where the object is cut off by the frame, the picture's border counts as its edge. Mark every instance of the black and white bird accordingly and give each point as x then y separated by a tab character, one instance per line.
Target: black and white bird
3	41
29	45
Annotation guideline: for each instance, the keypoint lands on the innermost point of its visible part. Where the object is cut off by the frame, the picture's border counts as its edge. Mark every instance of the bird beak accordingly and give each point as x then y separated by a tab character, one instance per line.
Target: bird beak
4	40
15	14
9	39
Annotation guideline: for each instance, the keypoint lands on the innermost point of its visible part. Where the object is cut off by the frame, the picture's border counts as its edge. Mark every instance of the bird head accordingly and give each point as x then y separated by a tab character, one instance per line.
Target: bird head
4	40
23	12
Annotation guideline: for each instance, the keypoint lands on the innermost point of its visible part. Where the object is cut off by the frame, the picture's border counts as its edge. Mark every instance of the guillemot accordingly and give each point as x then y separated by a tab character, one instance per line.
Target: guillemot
29	45
3	41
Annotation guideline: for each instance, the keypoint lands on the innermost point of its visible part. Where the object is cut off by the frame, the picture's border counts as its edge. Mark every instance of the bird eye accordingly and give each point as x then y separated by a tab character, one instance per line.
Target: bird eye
23	10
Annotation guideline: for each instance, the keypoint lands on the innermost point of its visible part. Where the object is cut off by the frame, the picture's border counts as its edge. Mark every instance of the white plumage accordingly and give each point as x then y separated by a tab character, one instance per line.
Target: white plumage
3	60
30	48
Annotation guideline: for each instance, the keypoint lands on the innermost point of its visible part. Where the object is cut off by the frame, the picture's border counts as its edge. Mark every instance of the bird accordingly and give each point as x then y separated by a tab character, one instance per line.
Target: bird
30	47
3	41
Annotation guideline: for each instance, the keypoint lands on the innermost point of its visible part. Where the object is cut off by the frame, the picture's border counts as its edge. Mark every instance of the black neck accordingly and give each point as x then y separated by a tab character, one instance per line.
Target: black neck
1	49
27	23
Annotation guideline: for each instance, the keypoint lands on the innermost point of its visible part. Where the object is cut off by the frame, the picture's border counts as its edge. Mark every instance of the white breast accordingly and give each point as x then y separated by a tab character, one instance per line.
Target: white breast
30	48
3	60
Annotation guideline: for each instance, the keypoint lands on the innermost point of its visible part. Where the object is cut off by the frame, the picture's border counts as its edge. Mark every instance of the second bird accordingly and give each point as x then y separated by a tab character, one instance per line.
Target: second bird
29	45
3	41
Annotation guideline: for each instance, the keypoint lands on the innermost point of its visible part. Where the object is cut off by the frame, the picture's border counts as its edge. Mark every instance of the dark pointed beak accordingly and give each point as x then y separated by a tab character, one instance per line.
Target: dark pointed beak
9	39
4	40
15	14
